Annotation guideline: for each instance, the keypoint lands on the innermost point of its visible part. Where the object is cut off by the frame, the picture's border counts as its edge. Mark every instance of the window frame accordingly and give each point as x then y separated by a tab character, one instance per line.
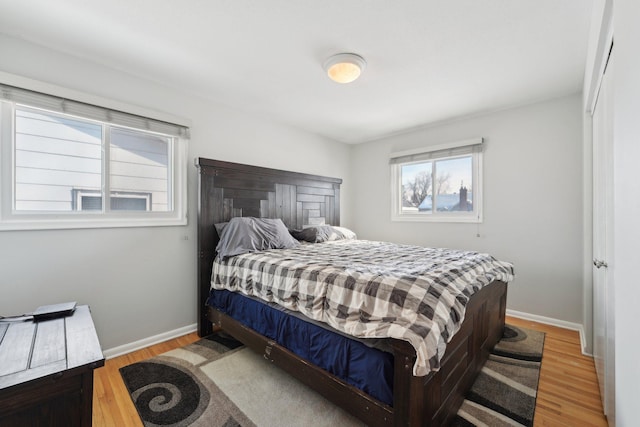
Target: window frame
434	154
10	219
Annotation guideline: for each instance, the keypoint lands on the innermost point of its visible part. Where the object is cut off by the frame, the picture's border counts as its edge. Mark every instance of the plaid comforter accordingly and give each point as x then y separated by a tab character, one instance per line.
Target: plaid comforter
369	289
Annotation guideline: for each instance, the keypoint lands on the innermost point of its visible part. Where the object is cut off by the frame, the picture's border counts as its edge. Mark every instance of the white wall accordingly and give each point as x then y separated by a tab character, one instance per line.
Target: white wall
626	229
532	200
140	282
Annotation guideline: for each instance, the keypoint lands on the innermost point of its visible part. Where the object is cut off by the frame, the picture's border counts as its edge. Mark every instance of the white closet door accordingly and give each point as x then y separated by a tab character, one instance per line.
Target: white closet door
603	285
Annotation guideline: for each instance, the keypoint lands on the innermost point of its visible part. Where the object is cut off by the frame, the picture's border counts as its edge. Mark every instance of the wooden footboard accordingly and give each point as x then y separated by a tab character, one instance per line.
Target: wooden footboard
431	400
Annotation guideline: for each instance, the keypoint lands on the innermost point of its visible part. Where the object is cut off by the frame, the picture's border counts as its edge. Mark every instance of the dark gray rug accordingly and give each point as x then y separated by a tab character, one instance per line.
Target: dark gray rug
218	382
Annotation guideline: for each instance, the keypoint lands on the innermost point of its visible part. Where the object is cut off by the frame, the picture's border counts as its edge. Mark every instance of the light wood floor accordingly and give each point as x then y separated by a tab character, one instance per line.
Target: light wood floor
567	394
112	406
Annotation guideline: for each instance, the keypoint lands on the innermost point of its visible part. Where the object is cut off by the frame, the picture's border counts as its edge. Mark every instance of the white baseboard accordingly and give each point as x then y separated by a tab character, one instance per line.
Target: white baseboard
553	322
146	342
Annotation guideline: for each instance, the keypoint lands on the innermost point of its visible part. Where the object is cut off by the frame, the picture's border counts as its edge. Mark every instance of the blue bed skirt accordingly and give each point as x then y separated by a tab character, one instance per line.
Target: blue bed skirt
369	369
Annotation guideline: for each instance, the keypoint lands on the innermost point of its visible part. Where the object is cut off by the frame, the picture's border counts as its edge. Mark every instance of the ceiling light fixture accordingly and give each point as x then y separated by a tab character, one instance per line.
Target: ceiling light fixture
344	67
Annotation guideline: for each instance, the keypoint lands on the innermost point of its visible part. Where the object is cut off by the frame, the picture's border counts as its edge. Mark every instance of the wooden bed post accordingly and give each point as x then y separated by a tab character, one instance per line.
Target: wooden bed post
206	248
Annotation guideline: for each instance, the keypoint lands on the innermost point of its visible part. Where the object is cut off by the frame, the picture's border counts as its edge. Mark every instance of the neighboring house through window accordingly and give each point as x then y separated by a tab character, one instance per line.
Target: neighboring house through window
70	164
438	183
89	200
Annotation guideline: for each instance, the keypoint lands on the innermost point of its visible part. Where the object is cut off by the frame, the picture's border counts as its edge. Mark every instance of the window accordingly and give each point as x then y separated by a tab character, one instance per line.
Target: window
440	183
66	164
87	200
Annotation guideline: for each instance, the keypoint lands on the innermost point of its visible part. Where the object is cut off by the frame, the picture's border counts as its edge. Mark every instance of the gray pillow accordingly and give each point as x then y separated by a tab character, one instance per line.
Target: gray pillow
323	233
242	235
219	227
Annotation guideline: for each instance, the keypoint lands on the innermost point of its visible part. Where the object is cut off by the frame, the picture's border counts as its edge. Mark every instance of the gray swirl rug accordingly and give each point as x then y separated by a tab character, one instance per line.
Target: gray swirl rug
217	381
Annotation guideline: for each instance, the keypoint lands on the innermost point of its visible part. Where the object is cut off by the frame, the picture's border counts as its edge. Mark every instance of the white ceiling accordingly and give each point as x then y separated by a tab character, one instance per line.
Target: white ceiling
427	60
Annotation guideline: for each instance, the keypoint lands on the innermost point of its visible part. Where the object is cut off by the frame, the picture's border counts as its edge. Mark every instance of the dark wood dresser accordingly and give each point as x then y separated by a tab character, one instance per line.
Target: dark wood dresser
46	371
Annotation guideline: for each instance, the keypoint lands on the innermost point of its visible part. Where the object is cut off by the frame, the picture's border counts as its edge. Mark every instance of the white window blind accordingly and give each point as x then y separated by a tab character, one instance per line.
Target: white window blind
438	151
76	108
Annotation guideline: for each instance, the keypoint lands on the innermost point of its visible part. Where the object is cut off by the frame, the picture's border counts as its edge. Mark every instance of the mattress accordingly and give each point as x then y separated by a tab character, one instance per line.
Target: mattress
369	289
362	364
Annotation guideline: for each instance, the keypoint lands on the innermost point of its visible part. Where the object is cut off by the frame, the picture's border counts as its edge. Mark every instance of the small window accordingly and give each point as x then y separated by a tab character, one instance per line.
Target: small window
87	200
92	167
441	183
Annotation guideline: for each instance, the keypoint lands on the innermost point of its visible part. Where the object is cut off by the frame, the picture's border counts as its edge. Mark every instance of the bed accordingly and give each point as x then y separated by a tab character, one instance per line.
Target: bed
230	190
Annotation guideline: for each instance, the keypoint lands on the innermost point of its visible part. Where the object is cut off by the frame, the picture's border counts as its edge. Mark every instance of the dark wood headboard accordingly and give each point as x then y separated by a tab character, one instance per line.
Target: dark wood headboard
227	190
